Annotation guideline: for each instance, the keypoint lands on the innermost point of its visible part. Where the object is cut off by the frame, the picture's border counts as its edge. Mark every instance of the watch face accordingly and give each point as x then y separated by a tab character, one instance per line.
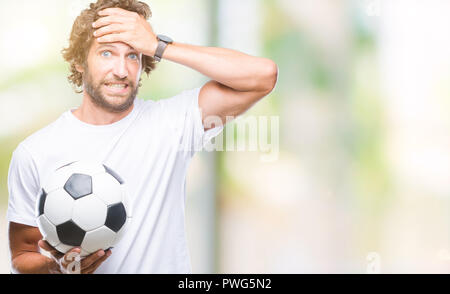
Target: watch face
165	39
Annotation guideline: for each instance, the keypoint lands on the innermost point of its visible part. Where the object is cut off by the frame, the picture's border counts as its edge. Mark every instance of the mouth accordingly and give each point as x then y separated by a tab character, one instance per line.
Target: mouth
117	88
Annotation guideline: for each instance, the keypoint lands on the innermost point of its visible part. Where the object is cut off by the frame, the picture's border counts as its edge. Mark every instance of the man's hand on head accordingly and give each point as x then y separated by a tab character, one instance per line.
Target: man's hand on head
120	25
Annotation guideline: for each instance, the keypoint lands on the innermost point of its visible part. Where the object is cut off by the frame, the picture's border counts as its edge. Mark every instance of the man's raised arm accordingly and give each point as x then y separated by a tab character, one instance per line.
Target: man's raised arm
238	80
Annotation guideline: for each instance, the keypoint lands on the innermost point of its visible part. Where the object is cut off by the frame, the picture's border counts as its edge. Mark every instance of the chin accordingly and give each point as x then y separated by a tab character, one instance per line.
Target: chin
115	99
119	103
110	101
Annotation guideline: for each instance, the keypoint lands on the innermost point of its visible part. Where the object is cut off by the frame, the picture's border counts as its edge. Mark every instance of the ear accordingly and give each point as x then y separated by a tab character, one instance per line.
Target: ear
79	68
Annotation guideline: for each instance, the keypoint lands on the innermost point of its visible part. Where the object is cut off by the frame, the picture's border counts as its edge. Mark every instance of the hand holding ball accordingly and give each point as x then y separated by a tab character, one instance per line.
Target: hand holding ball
84	204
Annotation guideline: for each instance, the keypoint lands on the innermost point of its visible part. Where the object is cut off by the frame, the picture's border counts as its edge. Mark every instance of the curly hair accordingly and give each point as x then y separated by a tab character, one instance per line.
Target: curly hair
81	37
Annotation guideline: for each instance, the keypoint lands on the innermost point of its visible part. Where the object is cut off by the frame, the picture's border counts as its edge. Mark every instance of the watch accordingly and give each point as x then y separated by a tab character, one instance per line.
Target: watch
163	41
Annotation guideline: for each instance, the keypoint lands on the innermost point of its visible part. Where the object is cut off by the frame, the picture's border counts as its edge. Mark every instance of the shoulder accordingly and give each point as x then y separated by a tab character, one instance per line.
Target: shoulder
177	102
180	104
182	99
176	109
44	136
22	167
21	154
146	105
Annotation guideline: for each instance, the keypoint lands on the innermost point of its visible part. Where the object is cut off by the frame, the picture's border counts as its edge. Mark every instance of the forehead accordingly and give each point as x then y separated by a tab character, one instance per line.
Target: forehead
120	46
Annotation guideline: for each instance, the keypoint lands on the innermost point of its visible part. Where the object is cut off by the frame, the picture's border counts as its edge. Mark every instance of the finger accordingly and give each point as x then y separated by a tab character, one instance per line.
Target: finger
49	248
88	261
104	21
70	256
93	267
110	29
111	38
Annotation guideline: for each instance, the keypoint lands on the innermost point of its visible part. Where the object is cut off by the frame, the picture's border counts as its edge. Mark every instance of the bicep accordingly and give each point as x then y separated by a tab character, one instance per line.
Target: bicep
219	101
23	238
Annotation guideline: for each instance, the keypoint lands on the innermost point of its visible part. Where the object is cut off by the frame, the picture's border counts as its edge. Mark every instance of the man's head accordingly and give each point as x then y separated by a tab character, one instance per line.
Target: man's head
109	72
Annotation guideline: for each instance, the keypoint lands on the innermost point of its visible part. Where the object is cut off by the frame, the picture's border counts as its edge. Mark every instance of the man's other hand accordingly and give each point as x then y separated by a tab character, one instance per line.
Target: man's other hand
70	263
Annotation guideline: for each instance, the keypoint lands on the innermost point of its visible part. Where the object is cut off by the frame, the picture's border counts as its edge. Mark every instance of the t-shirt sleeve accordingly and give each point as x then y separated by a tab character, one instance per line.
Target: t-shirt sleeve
186	119
23	188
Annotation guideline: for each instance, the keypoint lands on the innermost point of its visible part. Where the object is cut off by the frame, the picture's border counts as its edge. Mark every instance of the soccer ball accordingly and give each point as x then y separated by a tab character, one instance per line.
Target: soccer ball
83	204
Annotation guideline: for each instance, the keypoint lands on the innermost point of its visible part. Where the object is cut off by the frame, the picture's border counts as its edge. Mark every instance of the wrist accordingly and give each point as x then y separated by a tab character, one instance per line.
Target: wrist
163	43
53	267
152	47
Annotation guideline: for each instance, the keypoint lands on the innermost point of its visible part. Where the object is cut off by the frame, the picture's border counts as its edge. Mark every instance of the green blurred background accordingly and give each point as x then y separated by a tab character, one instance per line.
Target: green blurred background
361	181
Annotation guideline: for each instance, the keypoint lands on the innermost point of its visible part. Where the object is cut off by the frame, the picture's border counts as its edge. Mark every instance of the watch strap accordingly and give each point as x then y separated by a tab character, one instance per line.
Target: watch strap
160	50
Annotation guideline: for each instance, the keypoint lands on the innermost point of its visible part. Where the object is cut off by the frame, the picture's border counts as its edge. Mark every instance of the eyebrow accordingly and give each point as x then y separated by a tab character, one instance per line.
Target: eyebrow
114	47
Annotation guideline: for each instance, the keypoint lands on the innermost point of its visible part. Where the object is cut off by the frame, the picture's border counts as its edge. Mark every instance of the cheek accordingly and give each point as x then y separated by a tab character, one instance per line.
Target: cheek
103	65
135	70
99	69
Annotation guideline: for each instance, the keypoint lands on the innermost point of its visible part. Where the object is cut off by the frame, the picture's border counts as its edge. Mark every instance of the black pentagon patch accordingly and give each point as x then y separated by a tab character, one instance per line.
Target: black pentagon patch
70	234
78	186
114	174
42	198
116	217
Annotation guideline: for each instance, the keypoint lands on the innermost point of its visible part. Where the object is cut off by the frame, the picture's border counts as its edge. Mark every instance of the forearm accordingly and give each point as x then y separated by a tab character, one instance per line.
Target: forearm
34	263
231	68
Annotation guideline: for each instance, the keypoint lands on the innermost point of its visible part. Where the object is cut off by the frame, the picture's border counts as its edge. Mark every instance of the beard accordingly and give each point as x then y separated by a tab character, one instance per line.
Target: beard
98	97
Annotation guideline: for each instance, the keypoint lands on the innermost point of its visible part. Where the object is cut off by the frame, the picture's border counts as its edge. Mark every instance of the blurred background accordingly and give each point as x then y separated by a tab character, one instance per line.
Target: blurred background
361	180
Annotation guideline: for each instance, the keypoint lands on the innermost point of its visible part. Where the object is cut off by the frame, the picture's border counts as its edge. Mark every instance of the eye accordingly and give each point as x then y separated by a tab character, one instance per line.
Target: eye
106	53
133	56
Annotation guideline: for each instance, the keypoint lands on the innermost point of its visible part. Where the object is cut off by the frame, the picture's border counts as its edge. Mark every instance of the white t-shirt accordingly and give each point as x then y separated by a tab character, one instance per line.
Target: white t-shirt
150	149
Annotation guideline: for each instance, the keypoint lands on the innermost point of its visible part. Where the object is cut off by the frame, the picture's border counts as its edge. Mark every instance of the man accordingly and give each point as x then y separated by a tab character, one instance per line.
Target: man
148	143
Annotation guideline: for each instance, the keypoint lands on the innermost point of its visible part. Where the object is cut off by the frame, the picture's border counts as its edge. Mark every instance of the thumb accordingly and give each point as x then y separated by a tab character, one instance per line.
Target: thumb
47	247
44	245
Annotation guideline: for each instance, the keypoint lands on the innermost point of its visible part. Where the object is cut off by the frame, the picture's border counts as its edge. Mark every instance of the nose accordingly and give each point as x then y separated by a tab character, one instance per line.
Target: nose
120	68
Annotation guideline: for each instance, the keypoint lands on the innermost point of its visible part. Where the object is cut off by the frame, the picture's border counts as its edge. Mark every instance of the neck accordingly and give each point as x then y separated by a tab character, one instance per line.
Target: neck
90	113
